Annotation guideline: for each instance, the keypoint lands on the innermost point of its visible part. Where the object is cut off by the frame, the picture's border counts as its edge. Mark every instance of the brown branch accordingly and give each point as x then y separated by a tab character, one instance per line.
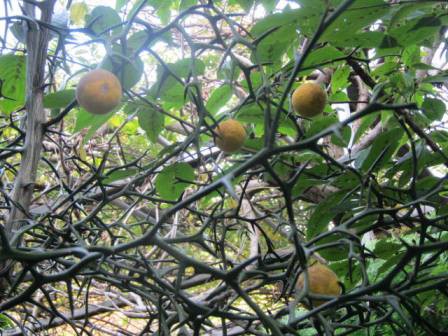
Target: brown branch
37	42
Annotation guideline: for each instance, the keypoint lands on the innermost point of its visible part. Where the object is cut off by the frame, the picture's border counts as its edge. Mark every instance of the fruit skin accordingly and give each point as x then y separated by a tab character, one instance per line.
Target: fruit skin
309	100
321	281
230	136
98	91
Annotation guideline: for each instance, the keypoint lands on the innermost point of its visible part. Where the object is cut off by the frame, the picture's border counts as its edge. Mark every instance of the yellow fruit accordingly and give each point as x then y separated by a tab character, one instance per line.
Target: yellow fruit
98	91
230	136
321	281
309	100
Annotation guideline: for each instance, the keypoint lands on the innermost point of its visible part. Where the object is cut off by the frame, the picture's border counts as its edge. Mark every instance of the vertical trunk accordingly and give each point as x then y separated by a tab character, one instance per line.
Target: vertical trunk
37	43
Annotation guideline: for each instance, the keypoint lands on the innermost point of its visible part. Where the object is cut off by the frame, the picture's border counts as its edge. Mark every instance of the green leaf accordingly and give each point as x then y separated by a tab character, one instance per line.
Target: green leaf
324	213
339	79
409	11
5	322
333	253
151	121
173	180
90	121
366	122
185	4
119	4
369	39
102	19
187	66
273	46
59	99
322	55
306	19
163	9
171	93
434	108
119	175
13	77
246	4
385	69
129	71
342	137
417	30
385	249
380	152
391	262
346	181
269	5
78	12
219	98
359	15
252	113
302	184
320	123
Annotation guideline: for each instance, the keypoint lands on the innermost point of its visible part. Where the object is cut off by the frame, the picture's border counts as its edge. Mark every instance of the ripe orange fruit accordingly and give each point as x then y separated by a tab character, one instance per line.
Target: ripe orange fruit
321	281
98	91
230	135
309	100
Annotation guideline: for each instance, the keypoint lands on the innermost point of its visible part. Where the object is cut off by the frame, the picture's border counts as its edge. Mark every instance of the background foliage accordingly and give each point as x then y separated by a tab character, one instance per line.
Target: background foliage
137	224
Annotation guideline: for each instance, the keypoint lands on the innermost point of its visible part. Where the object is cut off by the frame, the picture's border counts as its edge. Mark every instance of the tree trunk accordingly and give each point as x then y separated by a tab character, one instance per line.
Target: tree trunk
37	43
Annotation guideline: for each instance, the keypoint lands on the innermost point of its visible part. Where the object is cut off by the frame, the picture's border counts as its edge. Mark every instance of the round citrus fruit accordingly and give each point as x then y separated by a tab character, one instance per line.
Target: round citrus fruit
321	281
98	91
230	136
309	100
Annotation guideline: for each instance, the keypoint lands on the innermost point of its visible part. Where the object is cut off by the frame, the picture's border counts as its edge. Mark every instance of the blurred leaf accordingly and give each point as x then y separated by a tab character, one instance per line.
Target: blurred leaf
434	108
185	4
245	4
172	93
119	175
13	80
322	55
102	19
252	113
368	39
318	124
391	262
339	79
187	66
306	19
417	30
409	11
365	124
269	5
218	98
274	45
380	151
385	69
334	253
151	121
173	180
90	121
359	15
324	213
302	184
78	12
347	180
385	249
342	137
59	99
129	71
5	322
